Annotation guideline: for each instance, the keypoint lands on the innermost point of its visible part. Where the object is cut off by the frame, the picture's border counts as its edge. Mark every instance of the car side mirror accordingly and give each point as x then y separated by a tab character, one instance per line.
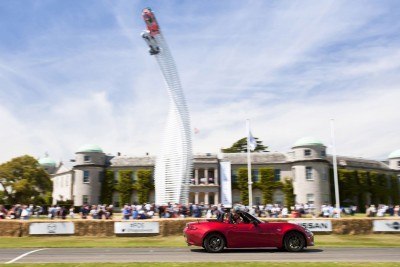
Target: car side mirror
255	223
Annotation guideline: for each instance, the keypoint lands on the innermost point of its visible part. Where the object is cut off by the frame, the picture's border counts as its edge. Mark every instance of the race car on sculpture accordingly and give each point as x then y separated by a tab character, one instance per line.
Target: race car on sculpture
246	231
151	22
152	30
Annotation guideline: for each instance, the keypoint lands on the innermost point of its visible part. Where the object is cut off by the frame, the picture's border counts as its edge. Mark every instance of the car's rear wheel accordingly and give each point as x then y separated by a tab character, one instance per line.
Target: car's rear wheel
294	242
214	243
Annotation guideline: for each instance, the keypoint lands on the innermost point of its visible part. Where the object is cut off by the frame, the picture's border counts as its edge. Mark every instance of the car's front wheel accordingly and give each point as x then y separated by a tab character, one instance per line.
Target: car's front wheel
214	243
294	242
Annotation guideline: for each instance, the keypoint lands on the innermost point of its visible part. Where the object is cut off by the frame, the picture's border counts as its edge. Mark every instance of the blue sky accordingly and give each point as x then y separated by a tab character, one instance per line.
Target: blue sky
77	72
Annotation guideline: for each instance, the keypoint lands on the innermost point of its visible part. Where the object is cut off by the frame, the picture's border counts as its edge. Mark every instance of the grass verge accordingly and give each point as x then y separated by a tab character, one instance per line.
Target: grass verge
377	240
219	264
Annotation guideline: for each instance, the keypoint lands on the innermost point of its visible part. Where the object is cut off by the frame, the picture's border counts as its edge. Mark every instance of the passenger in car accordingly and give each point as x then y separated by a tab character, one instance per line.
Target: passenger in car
234	217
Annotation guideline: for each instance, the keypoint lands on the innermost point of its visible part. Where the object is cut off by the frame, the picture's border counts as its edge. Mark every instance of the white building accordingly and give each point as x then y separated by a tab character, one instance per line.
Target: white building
307	165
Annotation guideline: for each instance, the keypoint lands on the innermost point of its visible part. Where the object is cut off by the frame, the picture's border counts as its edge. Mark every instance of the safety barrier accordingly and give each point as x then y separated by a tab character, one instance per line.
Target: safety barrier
167	227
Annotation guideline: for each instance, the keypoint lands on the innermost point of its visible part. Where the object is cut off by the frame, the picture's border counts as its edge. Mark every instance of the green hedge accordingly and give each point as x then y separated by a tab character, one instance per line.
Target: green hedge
355	185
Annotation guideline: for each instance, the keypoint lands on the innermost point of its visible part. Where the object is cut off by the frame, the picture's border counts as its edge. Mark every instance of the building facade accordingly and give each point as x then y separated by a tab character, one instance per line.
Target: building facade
307	165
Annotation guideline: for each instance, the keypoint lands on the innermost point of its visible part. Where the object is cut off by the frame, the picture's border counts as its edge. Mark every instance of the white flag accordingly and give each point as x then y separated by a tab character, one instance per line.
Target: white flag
251	141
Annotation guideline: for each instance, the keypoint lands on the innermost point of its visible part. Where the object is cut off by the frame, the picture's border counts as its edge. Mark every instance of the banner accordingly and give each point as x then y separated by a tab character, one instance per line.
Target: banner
226	187
136	227
52	228
315	225
386	226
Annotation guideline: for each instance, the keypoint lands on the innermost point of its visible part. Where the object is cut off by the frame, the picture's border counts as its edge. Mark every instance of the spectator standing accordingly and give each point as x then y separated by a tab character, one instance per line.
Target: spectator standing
109	212
285	212
397	210
84	212
63	212
126	212
71	212
3	212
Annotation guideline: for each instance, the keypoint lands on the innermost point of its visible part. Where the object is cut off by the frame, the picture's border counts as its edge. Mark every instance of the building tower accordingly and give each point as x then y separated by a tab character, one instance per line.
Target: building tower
48	164
310	170
89	172
394	160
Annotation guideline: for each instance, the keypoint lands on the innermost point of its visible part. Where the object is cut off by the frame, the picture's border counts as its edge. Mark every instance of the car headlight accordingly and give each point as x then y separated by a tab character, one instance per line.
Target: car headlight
308	231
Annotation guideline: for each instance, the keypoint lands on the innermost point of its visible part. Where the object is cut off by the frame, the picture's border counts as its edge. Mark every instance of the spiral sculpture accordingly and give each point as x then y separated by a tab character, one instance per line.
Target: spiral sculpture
173	167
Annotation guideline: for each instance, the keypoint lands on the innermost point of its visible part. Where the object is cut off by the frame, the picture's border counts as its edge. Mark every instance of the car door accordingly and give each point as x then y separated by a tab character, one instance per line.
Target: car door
242	235
268	234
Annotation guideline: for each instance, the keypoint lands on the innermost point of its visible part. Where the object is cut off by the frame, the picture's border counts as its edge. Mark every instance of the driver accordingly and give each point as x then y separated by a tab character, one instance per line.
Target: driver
235	217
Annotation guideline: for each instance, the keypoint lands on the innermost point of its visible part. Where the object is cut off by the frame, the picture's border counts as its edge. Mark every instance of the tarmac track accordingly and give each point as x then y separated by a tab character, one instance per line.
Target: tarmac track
74	255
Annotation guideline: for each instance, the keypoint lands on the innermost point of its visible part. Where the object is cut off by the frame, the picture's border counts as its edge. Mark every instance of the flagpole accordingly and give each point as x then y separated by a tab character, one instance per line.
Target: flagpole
249	180
335	171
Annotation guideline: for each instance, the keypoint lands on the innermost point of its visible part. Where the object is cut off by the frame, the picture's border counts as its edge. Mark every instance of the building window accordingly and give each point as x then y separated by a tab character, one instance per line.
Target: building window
324	174
86	158
323	153
294	174
116	177
325	198
210	177
254	175
310	198
234	176
86	177
85	199
398	164
307	152
309	175
277	175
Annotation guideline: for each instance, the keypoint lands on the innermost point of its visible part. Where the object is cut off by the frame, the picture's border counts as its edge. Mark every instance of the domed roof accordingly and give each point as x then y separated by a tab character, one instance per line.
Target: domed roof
90	148
46	161
308	141
394	154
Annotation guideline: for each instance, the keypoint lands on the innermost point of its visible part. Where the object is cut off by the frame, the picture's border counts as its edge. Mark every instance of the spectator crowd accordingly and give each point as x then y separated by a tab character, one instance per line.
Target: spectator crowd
148	211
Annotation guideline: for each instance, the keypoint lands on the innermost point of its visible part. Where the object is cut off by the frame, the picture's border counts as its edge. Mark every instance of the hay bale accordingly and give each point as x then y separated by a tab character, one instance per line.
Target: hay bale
94	228
11	228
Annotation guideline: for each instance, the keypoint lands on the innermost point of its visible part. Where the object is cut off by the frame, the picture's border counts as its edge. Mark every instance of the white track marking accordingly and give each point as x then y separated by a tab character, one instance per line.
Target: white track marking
23	255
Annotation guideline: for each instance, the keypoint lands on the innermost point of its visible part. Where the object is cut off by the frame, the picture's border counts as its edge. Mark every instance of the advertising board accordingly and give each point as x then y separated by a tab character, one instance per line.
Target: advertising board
386	226
52	228
315	225
226	187
136	227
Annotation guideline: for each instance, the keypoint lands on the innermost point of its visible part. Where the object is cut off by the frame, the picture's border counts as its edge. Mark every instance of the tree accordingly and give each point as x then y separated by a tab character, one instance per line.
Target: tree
241	146
289	193
143	185
243	186
23	180
107	187
124	187
267	184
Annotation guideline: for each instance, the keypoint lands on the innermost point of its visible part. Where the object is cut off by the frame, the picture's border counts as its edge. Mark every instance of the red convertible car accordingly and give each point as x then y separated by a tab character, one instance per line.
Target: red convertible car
247	231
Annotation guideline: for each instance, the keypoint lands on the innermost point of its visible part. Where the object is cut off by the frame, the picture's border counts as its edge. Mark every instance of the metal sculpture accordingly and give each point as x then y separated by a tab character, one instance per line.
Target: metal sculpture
173	167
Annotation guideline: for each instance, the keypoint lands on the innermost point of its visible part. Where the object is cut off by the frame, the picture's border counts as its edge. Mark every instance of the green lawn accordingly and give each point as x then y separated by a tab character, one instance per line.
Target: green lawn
377	240
219	264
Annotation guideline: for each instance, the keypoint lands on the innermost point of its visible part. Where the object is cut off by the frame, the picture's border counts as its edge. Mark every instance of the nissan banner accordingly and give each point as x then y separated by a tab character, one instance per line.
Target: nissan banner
315	225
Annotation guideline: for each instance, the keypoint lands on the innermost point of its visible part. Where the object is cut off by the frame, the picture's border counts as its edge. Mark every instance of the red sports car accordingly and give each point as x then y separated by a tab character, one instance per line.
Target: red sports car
151	22
246	231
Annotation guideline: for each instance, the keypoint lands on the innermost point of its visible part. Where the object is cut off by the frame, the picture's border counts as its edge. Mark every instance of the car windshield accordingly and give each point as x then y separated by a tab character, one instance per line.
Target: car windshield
248	218
240	217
